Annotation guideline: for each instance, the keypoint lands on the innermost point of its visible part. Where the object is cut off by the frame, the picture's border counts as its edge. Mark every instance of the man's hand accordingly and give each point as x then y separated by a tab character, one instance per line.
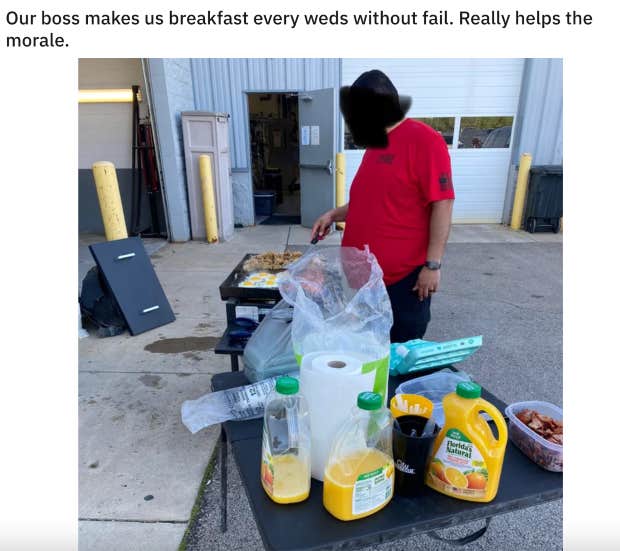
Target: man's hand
428	282
322	226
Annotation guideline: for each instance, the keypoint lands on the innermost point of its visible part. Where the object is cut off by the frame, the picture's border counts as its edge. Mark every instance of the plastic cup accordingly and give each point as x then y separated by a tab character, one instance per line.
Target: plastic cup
411	404
411	453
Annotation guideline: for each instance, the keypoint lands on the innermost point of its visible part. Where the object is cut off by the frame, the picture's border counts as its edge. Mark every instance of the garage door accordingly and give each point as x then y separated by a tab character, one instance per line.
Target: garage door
473	103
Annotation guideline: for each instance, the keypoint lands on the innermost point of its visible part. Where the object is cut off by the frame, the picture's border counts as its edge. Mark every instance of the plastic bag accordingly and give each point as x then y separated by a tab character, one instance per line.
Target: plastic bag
341	306
434	387
269	352
239	403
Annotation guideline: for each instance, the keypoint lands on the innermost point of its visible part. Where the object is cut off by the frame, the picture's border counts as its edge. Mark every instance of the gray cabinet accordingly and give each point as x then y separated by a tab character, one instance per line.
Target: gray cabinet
207	133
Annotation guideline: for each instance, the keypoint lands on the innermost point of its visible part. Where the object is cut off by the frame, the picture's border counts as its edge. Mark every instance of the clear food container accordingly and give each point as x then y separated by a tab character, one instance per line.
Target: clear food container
546	454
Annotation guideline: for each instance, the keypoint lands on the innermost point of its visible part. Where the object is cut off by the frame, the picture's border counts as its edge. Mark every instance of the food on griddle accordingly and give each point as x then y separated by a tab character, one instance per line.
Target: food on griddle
262	280
270	261
548	428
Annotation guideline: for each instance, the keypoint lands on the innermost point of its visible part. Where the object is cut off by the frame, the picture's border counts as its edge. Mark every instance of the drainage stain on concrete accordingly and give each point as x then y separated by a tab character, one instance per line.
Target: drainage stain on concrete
180	345
192	356
150	380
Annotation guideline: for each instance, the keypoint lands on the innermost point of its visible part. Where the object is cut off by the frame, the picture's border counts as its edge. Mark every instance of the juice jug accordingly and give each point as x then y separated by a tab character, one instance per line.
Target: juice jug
285	463
466	460
359	476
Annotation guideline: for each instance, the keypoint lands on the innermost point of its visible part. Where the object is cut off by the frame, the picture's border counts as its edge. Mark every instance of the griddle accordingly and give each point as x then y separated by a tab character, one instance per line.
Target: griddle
230	287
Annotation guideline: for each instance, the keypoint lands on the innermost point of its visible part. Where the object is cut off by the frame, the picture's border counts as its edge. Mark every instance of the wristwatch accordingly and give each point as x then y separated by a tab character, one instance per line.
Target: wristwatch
432	264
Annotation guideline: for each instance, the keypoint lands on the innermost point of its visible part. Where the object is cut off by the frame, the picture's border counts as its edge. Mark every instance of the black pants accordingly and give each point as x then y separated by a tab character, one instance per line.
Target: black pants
411	315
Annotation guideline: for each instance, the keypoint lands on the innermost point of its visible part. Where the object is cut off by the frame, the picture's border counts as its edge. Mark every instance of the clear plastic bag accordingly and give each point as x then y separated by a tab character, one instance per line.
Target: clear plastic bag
341	303
269	352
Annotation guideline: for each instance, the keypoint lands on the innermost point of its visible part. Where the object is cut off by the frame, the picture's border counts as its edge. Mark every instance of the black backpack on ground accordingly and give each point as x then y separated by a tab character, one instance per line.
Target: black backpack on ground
99	307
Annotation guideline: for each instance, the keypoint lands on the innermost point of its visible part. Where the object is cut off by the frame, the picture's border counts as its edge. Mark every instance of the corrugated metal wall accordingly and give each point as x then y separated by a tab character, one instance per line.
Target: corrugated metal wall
540	126
541	112
219	85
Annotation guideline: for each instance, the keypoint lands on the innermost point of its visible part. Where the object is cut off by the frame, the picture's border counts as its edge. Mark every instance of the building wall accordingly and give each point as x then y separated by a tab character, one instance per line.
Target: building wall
105	135
540	124
220	85
172	92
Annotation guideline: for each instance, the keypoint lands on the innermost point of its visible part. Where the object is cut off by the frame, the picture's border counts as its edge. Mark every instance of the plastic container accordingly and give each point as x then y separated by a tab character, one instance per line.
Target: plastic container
548	455
264	202
467	459
410	404
434	387
359	477
285	464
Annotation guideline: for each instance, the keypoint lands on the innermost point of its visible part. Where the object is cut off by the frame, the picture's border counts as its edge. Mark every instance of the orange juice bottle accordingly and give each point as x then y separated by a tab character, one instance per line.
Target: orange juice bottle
285	461
466	461
359	476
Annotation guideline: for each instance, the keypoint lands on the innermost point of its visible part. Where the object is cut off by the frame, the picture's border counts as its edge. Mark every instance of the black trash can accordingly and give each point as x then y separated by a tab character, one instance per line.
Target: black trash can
543	206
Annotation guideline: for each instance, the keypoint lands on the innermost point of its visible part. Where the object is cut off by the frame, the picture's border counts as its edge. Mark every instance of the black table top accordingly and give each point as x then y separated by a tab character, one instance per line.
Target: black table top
309	526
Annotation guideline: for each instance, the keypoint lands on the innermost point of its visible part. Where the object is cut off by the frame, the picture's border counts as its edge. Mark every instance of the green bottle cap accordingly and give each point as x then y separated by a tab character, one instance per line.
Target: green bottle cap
287	385
369	401
468	389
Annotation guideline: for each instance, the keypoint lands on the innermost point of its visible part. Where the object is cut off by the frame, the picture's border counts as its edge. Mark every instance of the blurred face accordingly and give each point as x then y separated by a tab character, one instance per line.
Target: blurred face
368	114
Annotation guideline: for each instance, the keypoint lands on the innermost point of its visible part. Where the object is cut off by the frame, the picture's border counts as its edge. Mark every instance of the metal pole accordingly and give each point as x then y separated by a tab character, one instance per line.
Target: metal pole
340	185
519	202
208	197
109	200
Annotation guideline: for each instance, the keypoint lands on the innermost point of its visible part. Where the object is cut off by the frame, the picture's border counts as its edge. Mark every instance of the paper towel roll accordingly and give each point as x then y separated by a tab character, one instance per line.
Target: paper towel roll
330	382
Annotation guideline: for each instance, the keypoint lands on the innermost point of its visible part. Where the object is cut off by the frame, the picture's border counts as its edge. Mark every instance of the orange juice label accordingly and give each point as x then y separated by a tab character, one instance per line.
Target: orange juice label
458	467
372	489
267	471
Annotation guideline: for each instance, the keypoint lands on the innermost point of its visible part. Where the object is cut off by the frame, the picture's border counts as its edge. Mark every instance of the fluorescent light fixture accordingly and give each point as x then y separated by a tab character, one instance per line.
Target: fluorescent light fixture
117	95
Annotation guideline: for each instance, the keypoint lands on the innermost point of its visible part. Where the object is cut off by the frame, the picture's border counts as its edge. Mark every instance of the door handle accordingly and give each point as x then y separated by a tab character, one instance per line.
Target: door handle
327	166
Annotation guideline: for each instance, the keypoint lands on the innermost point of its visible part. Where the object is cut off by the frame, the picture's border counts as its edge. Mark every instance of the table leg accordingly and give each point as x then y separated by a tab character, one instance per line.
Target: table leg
465	539
234	362
223	479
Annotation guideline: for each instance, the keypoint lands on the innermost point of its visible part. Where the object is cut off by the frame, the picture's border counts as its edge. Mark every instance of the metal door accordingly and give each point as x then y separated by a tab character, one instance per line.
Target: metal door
317	139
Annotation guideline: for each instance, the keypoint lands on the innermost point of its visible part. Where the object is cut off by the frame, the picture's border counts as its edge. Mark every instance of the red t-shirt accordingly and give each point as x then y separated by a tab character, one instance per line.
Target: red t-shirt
391	195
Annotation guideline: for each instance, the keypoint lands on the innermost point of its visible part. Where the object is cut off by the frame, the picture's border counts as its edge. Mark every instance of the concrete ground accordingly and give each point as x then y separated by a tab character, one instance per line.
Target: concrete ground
140	469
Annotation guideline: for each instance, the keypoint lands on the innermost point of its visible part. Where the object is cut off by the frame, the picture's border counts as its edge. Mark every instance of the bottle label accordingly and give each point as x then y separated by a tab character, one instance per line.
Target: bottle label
458	467
373	489
266	465
266	470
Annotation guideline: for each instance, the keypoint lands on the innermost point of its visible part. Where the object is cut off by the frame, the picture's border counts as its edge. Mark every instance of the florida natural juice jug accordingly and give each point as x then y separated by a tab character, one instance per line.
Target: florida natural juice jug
285	462
359	476
466	461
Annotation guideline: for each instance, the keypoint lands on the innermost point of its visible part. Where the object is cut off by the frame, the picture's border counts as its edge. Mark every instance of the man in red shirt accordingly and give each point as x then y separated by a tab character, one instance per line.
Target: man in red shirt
400	201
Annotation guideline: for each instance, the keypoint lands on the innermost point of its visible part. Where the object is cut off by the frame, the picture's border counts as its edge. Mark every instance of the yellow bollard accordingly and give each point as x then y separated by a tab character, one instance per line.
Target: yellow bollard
519	203
208	197
109	200
340	185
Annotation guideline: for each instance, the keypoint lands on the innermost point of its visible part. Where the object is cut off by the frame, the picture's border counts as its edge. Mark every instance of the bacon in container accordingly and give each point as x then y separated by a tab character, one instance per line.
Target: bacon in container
537	429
